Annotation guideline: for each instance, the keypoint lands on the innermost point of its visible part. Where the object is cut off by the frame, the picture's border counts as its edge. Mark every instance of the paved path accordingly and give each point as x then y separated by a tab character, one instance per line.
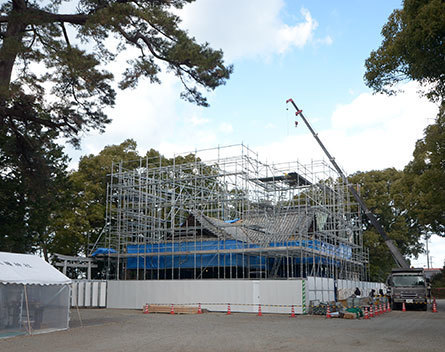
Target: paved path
126	330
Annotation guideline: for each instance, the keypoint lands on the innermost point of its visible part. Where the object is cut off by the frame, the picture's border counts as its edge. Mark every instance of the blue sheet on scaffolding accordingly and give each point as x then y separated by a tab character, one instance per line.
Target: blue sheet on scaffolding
194	259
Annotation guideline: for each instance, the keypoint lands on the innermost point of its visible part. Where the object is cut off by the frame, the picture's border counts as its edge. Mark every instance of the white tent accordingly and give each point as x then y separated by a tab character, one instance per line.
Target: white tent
34	296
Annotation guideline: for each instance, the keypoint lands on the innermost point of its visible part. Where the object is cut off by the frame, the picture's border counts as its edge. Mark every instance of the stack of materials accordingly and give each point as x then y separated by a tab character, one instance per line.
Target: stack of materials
177	309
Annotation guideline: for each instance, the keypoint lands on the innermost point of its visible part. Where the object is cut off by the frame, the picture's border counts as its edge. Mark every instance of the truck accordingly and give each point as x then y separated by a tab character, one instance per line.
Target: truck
405	284
408	286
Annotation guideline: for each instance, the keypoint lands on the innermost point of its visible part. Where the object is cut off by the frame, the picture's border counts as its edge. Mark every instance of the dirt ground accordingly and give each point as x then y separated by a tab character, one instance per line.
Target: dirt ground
112	330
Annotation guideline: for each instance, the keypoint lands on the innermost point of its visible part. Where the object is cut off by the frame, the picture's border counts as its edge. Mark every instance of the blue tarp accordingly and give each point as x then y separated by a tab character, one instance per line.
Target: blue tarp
193	259
103	251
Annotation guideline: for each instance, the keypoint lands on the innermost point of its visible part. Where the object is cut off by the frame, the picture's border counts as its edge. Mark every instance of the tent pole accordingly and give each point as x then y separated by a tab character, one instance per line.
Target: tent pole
27	311
78	313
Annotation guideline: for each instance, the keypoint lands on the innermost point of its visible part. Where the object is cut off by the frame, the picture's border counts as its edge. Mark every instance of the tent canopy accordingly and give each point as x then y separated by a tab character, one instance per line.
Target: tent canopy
29	270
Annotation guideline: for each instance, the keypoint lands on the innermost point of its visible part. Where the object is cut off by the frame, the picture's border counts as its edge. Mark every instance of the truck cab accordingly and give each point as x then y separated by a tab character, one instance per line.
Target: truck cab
409	286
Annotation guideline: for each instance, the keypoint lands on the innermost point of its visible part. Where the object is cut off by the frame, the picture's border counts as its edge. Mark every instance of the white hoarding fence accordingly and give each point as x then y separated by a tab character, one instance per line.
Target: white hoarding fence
89	293
323	289
275	296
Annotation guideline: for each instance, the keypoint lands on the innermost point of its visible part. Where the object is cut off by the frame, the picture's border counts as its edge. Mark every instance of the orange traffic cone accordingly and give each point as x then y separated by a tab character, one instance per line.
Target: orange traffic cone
366	313
328	313
388	308
292	312
260	314
228	309
384	308
403	307
371	311
145	311
199	309
172	311
434	305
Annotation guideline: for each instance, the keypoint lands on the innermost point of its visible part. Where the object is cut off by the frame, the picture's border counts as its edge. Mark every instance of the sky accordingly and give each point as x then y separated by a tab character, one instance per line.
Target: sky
311	51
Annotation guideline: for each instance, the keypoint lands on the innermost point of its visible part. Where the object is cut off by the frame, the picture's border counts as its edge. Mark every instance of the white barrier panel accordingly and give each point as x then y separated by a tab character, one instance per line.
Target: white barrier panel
320	288
214	295
89	293
323	289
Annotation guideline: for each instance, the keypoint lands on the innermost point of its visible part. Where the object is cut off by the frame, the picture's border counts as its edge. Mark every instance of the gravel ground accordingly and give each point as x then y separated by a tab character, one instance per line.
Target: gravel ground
112	330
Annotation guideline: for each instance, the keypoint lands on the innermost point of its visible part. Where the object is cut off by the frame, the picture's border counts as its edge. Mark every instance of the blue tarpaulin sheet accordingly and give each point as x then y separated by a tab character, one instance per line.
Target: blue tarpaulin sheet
194	259
103	251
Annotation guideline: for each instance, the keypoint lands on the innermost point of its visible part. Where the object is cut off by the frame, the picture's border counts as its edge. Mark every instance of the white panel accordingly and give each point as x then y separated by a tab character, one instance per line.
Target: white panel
95	294
74	294
318	283
311	283
274	293
87	302
103	294
214	295
81	294
331	284
311	296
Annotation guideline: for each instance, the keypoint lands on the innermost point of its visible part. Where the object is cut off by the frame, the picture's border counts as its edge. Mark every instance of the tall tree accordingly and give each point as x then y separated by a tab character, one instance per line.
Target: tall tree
82	224
424	176
39	58
32	182
412	49
383	194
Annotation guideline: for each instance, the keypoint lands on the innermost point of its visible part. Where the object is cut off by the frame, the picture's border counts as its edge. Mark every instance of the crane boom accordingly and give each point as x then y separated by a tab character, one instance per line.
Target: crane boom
398	258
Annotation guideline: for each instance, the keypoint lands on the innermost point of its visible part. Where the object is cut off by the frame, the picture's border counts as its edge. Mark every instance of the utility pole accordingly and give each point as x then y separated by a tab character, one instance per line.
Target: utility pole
427	253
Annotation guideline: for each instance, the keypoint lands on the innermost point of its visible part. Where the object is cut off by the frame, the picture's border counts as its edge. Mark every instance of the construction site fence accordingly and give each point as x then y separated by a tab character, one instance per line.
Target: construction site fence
214	295
274	296
89	293
323	289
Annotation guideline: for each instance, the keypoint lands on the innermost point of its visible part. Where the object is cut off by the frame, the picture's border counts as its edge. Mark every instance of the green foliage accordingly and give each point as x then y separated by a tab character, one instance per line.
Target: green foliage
383	193
412	48
425	178
438	280
71	70
82	224
33	181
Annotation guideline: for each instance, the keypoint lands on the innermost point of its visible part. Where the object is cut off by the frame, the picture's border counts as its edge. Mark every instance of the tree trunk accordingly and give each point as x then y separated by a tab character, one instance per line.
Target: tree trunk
12	42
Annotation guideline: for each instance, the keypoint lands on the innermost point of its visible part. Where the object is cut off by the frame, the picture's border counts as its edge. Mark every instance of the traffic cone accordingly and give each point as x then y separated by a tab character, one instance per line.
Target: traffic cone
388	308
403	307
260	314
366	313
172	311
328	313
371	311
384	308
228	309
199	309
145	311
434	305
292	312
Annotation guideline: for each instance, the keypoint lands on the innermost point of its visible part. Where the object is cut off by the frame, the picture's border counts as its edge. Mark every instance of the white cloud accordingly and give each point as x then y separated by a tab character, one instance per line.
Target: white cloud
370	132
245	28
225	127
297	35
197	120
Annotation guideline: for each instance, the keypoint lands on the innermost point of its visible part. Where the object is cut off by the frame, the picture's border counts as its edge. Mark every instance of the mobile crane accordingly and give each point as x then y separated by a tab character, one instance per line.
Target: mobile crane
405	284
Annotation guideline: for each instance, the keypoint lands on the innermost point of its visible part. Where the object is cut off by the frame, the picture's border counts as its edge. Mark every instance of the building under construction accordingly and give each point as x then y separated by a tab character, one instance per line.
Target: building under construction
224	214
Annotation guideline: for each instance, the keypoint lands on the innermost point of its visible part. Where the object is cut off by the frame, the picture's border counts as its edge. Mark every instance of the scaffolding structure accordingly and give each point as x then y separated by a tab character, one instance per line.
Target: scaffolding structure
222	213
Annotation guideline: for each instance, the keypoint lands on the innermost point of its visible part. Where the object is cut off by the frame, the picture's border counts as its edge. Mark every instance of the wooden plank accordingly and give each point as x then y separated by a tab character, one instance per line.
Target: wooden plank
154	308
